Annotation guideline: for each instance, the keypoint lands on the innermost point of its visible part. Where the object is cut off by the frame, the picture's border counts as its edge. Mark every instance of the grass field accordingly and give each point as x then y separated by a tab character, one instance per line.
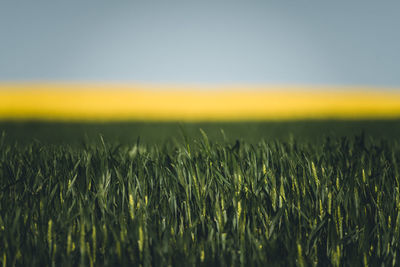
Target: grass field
298	193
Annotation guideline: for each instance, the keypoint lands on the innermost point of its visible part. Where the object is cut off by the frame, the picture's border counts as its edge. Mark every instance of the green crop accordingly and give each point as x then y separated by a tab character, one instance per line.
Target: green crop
201	202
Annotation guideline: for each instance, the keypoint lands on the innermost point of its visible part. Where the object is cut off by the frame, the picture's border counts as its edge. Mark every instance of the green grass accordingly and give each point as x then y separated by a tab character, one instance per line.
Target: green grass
294	193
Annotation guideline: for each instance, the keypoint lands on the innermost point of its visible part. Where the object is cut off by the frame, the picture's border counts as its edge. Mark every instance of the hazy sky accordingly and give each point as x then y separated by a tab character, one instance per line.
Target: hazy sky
334	42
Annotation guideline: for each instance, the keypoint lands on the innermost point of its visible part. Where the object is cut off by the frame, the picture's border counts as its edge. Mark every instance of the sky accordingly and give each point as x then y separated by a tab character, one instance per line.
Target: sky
341	42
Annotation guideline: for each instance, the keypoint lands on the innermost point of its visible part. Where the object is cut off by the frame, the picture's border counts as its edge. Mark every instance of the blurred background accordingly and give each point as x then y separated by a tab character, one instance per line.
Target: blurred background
198	60
202	42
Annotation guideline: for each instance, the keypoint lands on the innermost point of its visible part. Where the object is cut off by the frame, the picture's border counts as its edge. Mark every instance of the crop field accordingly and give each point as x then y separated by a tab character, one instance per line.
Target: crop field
300	193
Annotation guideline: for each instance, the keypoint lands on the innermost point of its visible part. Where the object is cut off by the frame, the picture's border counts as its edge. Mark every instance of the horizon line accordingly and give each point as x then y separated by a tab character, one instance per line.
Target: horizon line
166	102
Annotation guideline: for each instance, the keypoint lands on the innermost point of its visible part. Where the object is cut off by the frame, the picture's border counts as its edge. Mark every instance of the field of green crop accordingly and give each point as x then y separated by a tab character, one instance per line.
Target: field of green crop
255	194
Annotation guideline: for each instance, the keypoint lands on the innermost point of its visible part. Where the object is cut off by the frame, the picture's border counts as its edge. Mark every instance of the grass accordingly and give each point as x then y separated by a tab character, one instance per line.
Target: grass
328	194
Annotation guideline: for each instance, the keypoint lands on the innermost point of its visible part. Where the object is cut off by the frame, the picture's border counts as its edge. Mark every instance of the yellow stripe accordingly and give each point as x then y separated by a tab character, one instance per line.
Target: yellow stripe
155	102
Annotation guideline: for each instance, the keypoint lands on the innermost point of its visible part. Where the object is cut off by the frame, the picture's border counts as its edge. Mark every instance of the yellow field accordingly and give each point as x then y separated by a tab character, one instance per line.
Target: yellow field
155	102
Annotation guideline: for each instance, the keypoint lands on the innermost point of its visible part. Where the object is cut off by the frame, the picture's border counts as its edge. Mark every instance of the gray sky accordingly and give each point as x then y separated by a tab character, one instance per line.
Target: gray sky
340	42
